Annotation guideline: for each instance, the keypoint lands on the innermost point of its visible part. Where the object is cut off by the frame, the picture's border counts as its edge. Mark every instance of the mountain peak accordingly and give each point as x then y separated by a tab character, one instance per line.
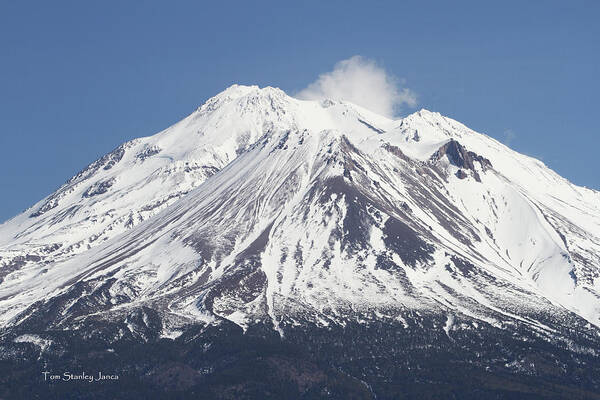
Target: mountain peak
424	114
236	91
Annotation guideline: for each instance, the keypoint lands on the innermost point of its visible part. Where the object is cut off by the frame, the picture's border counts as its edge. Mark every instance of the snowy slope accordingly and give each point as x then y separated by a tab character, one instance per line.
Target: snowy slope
261	208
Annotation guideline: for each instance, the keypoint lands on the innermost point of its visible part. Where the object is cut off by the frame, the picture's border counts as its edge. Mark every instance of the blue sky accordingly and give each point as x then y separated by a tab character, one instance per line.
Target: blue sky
79	78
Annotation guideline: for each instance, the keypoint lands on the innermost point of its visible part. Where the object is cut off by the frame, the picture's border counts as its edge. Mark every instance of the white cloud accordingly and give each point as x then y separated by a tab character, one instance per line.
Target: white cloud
362	82
509	136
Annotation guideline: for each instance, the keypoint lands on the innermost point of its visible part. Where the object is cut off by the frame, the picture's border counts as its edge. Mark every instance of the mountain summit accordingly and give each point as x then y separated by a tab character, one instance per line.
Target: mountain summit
383	247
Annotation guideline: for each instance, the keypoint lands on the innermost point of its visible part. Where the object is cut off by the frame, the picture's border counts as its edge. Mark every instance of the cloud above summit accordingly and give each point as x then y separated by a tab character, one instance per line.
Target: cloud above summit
361	81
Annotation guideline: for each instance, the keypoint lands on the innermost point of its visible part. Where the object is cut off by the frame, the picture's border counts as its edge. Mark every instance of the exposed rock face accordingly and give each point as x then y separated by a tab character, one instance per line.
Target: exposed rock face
148	152
99	187
460	157
460	174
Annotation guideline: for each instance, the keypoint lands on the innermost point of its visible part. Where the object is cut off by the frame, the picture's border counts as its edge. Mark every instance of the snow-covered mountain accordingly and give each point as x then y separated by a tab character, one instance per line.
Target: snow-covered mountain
263	210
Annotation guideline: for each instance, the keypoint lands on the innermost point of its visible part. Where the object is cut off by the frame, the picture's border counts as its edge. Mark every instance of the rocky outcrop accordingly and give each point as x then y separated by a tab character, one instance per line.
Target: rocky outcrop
99	188
462	158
